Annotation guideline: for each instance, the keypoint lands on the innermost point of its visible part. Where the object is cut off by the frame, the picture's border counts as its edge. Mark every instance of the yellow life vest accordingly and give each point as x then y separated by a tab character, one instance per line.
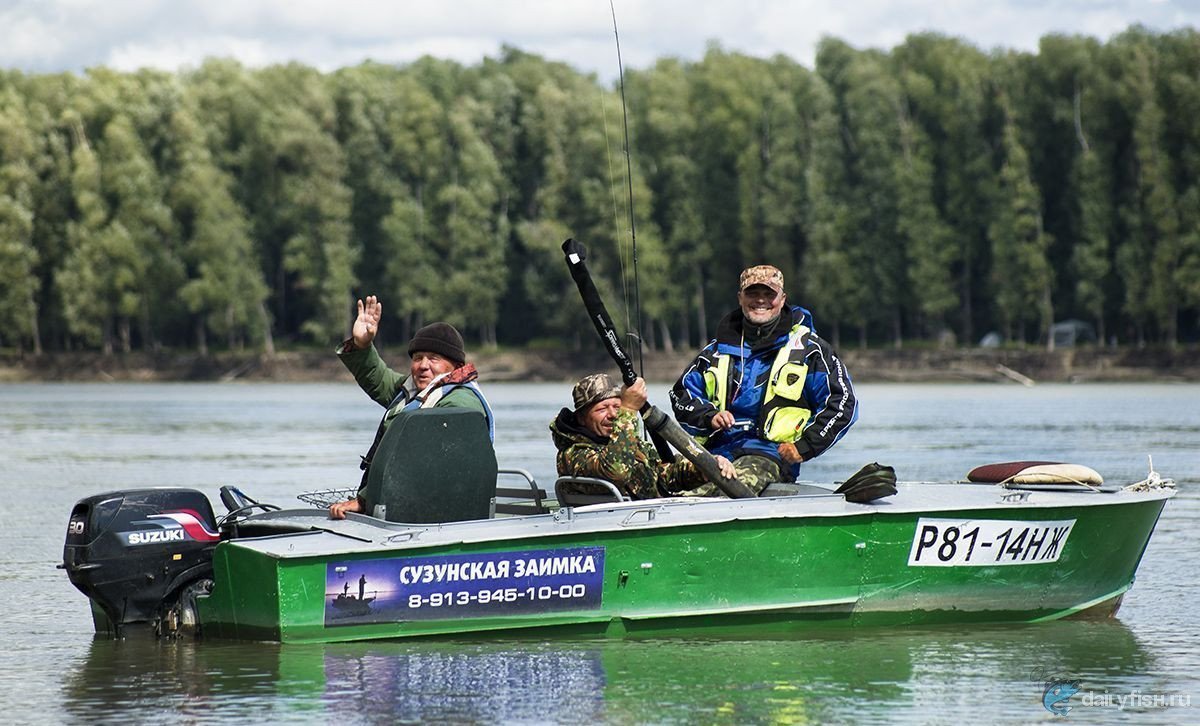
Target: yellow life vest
783	416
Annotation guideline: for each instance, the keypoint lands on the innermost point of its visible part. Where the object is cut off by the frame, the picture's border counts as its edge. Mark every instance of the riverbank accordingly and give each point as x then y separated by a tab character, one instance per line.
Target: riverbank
906	365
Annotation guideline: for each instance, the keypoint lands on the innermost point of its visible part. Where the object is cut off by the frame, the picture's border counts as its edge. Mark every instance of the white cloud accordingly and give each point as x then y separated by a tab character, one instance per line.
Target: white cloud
51	35
189	52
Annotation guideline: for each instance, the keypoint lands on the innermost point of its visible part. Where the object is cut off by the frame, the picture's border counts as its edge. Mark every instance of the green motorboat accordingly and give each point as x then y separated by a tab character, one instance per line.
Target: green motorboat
801	557
933	553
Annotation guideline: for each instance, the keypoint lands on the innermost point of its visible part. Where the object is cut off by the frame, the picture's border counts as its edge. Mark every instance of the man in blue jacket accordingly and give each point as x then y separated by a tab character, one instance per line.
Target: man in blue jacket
767	393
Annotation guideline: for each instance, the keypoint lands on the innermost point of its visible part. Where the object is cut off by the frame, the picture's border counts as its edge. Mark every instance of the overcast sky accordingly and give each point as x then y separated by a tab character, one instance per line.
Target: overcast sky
57	35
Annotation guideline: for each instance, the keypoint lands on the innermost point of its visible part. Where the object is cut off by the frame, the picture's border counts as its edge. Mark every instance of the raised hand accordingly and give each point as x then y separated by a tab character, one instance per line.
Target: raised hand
366	325
633	396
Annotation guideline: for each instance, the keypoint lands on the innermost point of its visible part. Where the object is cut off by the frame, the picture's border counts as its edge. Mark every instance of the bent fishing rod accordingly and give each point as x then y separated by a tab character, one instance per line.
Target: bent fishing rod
656	421
637	291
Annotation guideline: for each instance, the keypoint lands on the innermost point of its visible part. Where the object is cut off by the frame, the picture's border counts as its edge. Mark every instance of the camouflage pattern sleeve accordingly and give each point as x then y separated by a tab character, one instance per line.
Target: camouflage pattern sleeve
683	479
625	460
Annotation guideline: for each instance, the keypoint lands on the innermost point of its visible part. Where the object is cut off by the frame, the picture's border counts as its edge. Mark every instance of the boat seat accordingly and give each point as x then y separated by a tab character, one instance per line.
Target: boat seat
433	465
580	491
520	500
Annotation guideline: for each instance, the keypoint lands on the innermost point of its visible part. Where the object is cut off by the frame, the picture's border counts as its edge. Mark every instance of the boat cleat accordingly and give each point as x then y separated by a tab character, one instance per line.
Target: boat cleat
1015	497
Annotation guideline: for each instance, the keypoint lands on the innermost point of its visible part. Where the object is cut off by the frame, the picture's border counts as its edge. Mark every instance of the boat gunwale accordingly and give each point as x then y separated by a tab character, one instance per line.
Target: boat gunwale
326	537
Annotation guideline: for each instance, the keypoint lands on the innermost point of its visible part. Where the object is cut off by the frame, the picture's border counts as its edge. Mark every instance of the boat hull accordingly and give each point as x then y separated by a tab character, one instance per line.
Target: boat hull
953	553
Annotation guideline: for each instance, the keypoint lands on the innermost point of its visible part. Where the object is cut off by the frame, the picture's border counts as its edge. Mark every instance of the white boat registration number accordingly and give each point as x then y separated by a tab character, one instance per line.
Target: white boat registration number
987	542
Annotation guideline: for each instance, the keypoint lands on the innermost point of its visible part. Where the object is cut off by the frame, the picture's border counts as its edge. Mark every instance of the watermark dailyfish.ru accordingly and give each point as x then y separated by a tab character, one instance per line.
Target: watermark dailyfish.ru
1060	695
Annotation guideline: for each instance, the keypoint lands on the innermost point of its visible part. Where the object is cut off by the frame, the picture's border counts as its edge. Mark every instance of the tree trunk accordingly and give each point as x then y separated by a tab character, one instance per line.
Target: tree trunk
1079	135
231	334
664	333
148	342
408	326
201	336
123	330
1048	318
281	296
265	321
968	325
33	330
701	322
647	339
1171	324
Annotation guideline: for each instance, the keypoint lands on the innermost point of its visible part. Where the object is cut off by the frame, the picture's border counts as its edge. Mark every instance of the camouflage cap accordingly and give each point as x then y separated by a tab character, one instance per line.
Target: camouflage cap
767	275
592	389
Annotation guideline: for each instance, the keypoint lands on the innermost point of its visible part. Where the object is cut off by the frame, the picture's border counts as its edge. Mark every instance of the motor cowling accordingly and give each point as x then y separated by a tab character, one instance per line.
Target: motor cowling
131	552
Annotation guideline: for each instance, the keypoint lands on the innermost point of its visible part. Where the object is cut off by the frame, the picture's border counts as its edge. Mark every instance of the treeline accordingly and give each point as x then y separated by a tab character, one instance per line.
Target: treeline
933	192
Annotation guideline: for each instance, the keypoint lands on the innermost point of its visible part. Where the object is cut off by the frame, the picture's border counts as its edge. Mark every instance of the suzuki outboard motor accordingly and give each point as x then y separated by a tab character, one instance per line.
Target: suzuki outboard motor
134	552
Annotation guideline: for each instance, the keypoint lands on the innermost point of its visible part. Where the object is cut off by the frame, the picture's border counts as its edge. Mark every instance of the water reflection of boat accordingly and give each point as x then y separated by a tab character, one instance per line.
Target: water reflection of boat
865	676
876	675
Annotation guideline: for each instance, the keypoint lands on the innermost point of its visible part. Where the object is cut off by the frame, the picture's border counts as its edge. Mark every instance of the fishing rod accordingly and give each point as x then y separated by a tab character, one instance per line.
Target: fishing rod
657	422
637	296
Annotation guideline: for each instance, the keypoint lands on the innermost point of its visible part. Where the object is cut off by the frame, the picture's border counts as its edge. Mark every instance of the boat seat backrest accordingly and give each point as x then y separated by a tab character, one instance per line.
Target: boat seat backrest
580	491
433	465
525	498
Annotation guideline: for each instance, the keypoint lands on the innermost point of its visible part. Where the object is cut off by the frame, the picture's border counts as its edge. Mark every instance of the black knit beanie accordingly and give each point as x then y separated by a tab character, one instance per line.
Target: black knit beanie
440	338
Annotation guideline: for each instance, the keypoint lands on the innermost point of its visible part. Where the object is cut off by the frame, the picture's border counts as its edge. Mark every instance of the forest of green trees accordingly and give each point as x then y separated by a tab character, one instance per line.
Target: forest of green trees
932	192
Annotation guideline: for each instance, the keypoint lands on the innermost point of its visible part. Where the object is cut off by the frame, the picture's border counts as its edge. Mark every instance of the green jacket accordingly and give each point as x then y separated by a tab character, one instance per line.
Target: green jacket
384	385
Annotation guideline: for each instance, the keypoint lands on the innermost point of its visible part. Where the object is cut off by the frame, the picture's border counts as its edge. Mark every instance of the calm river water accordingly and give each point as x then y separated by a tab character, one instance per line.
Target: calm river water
62	442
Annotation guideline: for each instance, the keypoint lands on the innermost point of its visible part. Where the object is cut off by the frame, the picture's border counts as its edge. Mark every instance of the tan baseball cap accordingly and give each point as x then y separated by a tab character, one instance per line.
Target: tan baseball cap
767	275
592	389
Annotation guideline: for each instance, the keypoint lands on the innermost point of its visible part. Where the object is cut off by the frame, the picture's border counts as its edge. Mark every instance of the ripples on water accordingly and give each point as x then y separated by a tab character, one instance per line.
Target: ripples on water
61	442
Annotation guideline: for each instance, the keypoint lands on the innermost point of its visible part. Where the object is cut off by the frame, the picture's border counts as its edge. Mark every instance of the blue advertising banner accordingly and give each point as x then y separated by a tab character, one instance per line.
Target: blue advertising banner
443	587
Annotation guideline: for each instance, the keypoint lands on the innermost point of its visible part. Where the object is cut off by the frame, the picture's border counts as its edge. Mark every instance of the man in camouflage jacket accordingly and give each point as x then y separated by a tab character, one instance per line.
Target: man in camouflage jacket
599	438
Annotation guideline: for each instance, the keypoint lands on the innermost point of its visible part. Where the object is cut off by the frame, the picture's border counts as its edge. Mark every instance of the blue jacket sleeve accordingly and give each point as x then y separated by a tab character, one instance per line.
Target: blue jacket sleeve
831	395
689	400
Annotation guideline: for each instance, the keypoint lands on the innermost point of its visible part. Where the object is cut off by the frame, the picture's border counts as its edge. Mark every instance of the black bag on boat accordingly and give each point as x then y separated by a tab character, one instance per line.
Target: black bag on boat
873	481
